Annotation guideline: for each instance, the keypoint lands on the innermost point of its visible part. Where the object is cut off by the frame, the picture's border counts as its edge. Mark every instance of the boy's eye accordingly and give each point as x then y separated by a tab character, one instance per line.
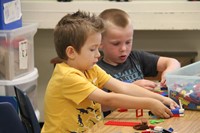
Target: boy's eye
128	42
116	44
92	49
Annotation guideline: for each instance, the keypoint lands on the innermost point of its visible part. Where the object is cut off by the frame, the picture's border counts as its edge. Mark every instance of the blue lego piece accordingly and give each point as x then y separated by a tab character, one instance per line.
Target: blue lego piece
170	130
164	94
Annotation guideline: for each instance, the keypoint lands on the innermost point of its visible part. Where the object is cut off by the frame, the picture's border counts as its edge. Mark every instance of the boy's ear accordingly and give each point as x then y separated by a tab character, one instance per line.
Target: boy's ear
70	52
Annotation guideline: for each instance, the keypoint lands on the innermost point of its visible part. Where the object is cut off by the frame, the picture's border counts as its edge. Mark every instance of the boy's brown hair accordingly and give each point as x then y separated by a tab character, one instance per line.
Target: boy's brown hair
74	29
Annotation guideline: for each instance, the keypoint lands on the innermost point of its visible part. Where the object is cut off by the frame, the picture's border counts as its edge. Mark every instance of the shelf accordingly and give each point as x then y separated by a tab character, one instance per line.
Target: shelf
146	15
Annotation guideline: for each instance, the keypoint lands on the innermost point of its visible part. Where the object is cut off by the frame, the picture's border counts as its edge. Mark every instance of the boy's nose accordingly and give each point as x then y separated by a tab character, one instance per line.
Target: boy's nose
98	54
123	47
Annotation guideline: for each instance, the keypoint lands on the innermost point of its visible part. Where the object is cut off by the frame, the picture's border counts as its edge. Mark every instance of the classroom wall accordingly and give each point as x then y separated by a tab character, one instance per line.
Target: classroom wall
150	40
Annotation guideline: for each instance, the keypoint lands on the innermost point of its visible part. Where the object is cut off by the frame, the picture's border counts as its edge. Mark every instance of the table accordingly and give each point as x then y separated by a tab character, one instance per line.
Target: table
189	123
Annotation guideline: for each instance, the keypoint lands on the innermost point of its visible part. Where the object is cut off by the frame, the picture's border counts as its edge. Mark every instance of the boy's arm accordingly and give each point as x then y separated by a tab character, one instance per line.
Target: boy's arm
132	96
147	84
117	100
130	89
166	64
135	90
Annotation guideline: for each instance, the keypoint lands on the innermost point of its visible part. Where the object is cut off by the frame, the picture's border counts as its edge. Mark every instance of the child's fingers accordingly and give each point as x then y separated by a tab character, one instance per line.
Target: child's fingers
166	115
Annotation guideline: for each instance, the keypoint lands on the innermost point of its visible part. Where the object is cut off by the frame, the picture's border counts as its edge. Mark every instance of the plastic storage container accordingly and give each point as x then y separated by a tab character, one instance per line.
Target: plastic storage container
184	84
24	83
17	51
10	14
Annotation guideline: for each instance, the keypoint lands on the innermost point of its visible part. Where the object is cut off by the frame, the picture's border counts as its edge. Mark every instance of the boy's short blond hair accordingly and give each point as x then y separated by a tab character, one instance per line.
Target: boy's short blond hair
115	16
74	29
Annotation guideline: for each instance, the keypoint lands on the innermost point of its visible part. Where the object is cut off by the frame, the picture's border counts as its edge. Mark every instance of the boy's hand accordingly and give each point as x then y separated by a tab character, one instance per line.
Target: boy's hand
163	82
160	110
169	102
148	84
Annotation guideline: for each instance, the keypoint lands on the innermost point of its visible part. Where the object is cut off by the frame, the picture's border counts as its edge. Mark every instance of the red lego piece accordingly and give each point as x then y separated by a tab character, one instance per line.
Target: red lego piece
146	131
122	110
178	115
122	123
137	112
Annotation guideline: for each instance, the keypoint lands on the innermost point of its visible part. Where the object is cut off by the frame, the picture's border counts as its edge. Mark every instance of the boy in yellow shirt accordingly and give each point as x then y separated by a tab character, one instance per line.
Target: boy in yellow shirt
74	93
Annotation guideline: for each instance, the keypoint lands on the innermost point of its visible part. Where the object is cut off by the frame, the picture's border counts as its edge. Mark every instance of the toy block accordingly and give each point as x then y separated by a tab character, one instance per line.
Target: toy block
122	123
122	110
139	114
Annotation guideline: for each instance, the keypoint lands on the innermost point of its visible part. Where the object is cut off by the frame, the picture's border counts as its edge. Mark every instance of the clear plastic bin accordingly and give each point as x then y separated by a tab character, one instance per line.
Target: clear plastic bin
17	51
24	83
184	84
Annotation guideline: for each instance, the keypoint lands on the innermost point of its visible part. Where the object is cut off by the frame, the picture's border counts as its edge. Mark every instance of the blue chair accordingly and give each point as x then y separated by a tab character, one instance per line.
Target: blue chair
10	99
10	121
26	110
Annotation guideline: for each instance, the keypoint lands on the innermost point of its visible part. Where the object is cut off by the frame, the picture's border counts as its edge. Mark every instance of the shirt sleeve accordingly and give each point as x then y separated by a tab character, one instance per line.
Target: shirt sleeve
77	86
148	62
103	77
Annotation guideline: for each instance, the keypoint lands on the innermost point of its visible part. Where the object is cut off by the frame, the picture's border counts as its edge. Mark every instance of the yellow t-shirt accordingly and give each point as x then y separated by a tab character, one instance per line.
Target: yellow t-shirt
66	107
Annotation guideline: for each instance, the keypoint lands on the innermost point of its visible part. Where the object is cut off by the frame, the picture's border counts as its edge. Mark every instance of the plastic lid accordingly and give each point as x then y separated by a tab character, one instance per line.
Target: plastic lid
24	79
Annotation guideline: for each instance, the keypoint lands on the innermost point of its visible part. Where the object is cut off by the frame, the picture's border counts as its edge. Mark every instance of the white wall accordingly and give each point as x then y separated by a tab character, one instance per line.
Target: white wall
145	15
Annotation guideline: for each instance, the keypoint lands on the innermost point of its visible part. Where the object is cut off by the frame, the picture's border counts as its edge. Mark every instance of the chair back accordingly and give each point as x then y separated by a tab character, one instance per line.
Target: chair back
26	110
10	121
